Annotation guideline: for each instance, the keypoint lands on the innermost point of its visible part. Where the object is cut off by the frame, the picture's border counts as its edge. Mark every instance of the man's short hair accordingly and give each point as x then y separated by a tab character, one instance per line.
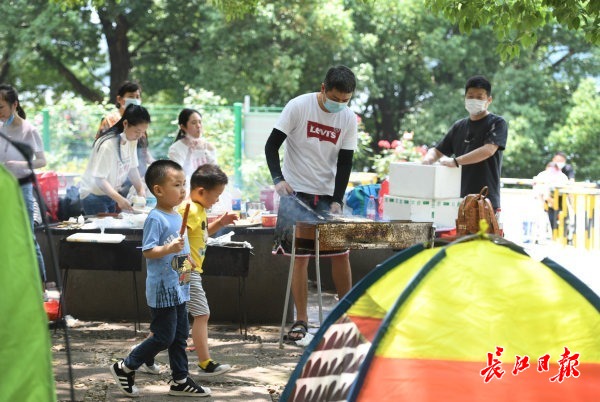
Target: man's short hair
561	153
341	78
479	81
208	176
157	172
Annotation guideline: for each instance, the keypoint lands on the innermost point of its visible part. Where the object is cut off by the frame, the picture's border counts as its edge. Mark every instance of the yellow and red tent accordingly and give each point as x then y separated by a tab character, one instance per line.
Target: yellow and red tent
477	320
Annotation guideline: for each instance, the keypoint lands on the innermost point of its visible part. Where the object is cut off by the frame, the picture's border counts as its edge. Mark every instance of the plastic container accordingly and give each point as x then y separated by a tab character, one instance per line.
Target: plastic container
236	200
49	184
150	200
414	180
269	220
383	191
371	208
267	197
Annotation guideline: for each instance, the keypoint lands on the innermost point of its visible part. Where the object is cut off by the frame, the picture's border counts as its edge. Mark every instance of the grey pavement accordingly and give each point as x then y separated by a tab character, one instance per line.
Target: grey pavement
260	368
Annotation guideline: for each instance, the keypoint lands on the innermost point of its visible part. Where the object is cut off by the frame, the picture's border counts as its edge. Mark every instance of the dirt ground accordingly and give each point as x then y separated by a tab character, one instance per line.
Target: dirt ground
260	368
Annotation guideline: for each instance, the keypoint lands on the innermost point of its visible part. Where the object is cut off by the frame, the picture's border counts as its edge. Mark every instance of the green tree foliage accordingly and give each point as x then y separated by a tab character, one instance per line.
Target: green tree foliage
272	55
45	46
270	51
533	91
411	64
579	136
390	64
517	23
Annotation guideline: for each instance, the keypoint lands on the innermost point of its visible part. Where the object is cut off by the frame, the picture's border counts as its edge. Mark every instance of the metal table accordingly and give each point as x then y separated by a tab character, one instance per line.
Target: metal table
230	261
219	261
124	256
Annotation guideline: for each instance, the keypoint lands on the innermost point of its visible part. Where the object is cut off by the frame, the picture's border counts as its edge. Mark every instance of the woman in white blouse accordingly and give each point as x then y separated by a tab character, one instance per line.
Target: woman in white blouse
113	160
190	149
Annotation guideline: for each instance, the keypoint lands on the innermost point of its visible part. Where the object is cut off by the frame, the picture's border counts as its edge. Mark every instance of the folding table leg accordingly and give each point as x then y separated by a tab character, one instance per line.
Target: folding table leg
318	275
289	286
137	323
242	299
240	313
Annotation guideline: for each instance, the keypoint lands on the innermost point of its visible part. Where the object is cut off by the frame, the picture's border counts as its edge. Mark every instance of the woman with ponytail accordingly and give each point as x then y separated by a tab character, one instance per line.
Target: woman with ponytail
190	149
129	93
17	129
114	159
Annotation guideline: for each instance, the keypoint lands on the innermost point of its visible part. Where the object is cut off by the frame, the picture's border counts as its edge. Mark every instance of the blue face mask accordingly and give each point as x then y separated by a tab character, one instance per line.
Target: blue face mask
334	107
132	101
9	120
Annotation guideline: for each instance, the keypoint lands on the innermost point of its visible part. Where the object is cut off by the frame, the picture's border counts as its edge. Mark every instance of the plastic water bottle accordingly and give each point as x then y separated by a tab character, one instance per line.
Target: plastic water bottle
371	208
150	200
236	200
500	221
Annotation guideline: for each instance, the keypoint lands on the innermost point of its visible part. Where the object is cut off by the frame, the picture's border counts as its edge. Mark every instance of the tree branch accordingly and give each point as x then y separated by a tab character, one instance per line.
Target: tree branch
564	58
78	86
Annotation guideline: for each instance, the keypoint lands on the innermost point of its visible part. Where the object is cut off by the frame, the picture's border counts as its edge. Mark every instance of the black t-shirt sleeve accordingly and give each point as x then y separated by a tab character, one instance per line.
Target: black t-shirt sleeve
272	146
446	146
498	133
342	176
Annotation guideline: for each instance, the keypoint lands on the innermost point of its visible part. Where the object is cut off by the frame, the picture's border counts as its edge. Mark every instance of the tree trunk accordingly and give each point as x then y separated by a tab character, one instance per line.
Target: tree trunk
4	66
118	49
387	115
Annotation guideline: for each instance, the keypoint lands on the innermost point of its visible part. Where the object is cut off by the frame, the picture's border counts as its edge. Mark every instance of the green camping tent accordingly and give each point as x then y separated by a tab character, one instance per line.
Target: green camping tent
471	321
25	357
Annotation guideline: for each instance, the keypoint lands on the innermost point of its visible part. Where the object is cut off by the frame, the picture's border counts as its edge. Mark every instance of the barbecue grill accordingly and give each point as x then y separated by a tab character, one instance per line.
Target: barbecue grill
339	234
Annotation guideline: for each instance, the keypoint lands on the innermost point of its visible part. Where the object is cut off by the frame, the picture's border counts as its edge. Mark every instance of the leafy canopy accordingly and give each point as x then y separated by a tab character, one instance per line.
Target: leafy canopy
516	22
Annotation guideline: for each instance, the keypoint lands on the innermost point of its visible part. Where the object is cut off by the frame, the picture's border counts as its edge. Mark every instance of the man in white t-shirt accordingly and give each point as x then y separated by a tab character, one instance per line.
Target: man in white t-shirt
320	135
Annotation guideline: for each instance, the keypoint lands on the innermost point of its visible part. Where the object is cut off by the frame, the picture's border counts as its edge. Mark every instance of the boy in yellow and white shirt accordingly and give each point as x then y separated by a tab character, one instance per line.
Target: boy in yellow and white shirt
206	185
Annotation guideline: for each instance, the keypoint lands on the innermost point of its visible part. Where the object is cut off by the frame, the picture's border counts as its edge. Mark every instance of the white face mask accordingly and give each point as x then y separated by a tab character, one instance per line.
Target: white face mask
132	101
475	106
560	165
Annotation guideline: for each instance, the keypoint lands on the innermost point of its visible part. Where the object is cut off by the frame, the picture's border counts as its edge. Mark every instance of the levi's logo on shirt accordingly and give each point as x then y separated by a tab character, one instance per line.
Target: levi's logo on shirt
323	132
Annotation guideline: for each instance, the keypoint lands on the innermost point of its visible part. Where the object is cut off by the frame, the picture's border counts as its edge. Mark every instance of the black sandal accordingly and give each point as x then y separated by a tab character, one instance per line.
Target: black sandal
297	331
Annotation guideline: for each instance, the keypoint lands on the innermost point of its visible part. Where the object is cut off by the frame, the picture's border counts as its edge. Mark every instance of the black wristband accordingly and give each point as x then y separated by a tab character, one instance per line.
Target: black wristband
456	162
278	179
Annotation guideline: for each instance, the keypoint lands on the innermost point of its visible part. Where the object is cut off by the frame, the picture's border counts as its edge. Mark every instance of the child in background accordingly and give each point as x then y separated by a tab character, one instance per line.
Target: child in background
207	184
165	251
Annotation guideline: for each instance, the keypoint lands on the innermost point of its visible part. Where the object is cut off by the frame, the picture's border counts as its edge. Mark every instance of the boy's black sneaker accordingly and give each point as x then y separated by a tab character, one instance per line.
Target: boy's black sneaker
125	381
188	388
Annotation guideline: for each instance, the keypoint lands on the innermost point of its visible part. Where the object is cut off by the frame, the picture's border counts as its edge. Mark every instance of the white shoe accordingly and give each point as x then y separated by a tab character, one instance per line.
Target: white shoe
154	369
213	369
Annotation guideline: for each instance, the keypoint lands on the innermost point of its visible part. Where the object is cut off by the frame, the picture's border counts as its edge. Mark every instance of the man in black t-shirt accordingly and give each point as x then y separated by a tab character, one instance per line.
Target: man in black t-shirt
475	143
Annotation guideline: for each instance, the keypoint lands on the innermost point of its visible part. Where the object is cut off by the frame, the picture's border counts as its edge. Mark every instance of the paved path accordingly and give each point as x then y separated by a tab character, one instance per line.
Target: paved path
261	369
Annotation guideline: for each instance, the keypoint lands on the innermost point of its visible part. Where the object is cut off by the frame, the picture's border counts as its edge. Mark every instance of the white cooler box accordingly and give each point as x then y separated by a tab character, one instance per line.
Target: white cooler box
414	180
442	212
